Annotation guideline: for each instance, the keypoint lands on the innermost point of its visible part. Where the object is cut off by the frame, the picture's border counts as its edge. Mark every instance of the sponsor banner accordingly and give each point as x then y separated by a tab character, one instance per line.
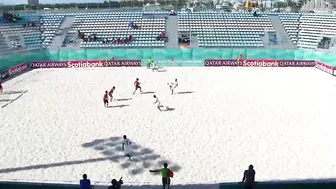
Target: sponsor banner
178	63
4	74
173	62
260	63
48	64
123	63
277	63
216	63
86	64
297	63
17	69
326	68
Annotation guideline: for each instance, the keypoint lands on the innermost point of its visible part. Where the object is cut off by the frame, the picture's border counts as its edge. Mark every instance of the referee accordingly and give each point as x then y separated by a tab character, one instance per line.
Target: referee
165	175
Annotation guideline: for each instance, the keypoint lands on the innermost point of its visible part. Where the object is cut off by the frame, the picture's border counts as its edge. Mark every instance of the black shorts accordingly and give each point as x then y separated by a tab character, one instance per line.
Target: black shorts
165	181
137	87
105	101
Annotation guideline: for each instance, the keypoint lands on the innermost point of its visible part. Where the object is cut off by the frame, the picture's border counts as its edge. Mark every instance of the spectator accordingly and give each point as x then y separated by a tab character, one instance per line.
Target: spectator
130	23
161	36
118	40
106	41
240	58
116	184
166	175
255	13
172	13
85	183
249	177
130	37
135	26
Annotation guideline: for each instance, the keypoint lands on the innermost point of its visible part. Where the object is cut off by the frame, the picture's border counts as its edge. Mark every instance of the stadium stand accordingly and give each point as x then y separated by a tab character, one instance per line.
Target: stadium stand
213	29
112	25
291	22
307	30
313	27
50	24
31	31
219	29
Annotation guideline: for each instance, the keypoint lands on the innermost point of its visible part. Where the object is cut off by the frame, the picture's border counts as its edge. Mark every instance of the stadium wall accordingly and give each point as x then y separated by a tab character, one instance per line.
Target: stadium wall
299	184
166	57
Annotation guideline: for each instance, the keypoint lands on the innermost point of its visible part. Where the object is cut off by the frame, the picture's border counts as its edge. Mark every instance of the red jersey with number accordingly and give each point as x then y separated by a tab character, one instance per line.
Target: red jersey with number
111	92
137	83
105	97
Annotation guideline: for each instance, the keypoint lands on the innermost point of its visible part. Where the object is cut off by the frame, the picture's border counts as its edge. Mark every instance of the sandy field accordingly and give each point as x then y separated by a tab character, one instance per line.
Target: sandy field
53	125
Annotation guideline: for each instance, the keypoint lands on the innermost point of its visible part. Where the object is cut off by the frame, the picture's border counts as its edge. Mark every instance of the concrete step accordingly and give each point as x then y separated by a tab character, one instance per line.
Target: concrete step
282	36
172	32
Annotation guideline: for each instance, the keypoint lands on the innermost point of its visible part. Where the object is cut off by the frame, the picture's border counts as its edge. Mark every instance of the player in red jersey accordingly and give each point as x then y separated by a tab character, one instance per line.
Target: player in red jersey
106	99
137	85
111	93
1	88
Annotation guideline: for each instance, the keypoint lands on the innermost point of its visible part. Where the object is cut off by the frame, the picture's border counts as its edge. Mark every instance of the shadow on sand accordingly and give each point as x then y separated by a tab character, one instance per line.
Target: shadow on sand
118	106
148	92
186	92
143	158
161	69
124	99
5	100
168	109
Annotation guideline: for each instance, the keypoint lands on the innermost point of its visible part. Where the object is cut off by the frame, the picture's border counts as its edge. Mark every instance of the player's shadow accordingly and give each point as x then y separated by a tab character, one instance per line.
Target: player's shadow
168	109
5	100
185	92
161	69
148	92
118	106
143	158
123	99
13	92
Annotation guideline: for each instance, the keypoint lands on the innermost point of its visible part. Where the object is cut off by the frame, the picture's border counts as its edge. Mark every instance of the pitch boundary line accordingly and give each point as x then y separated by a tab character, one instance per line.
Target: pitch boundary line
11	101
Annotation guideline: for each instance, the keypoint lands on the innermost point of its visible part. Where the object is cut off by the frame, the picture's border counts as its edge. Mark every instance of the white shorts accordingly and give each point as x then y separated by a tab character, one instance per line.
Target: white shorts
127	151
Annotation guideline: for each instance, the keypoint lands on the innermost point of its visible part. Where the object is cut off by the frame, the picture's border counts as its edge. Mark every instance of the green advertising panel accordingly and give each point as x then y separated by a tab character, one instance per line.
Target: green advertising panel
166	57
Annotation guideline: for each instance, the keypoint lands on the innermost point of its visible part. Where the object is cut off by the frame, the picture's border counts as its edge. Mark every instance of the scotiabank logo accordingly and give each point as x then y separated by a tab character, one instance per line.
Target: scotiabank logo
17	69
326	68
260	63
87	64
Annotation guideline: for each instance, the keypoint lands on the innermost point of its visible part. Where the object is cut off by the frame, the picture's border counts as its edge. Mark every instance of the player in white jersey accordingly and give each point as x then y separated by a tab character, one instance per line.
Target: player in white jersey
153	66
173	86
157	102
126	146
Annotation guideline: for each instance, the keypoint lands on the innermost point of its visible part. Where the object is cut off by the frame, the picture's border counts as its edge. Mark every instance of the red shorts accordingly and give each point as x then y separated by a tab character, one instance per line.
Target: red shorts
110	95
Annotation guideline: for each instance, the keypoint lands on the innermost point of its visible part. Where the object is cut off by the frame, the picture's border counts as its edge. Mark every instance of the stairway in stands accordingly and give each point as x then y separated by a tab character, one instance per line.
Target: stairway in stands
172	32
62	32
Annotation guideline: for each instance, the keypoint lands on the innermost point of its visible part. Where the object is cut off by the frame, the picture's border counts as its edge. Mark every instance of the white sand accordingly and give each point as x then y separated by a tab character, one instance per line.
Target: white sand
280	120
